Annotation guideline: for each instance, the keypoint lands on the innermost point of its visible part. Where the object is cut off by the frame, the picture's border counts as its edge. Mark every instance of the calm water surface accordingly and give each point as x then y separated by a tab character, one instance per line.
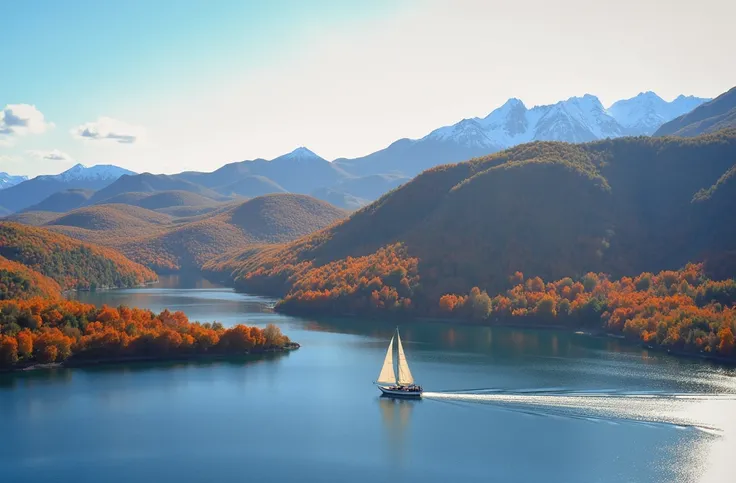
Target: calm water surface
501	405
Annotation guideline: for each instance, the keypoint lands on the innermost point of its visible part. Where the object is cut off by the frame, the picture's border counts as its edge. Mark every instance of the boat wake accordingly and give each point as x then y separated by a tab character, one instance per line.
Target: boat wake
682	410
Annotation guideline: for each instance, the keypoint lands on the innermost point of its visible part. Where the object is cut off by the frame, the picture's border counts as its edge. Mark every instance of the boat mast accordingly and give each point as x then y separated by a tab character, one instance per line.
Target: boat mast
388	374
404	374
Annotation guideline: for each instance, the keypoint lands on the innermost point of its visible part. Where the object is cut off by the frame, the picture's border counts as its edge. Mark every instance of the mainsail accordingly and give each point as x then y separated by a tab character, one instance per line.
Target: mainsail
405	378
387	375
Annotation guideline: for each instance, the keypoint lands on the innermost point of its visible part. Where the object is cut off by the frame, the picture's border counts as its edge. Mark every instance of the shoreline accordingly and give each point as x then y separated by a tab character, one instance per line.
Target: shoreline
583	331
106	288
112	361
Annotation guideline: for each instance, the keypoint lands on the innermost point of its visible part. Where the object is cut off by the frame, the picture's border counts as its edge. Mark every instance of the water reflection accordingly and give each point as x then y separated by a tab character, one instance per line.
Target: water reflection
185	281
64	375
35	378
396	416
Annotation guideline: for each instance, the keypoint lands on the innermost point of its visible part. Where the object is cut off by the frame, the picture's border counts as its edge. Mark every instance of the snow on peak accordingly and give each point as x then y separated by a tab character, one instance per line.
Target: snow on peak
300	154
587	102
468	132
576	119
644	113
8	180
512	103
98	172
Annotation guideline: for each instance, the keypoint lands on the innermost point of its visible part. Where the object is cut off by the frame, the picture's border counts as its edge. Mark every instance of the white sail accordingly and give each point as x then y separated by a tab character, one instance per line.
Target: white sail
387	375
405	378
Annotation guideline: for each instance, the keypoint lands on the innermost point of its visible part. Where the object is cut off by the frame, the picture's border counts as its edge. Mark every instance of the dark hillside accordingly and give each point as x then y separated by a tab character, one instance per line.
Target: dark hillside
620	206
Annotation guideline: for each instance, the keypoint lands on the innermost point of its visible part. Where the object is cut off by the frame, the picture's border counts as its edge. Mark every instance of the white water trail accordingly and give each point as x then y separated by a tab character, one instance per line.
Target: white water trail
683	410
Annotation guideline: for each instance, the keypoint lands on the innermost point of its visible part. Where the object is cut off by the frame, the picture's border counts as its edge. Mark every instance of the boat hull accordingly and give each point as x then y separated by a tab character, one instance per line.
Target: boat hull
399	393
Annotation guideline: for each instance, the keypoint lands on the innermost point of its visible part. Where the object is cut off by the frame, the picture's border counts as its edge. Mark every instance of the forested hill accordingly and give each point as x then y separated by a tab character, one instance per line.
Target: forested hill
18	281
622	206
70	263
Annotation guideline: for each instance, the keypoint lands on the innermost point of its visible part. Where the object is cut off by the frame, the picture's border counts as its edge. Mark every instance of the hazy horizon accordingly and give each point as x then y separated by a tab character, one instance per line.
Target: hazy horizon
171	87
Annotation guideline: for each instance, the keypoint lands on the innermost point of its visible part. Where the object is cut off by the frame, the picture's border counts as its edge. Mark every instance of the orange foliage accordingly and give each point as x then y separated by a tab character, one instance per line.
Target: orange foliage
384	280
8	351
448	302
46	331
19	281
681	310
69	262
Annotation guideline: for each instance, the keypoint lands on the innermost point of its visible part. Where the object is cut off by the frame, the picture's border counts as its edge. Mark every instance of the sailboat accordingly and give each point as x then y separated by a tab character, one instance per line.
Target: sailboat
388	382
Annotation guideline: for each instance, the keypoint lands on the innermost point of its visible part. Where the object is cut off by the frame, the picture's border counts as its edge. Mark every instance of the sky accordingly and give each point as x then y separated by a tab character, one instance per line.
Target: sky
168	86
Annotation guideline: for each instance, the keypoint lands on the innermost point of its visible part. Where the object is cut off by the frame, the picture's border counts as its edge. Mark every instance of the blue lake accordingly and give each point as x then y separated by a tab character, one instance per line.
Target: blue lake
500	405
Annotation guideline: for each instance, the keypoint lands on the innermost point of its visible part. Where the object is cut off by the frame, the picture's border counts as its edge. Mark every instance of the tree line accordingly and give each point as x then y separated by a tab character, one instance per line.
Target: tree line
45	331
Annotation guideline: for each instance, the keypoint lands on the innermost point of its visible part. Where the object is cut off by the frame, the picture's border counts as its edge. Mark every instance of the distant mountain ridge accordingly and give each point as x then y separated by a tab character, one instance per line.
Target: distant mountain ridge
98	172
575	120
720	113
149	183
300	171
62	201
80	177
353	183
645	113
8	180
159	241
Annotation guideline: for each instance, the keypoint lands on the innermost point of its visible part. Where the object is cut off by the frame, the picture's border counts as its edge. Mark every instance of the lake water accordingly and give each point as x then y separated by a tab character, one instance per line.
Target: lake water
501	405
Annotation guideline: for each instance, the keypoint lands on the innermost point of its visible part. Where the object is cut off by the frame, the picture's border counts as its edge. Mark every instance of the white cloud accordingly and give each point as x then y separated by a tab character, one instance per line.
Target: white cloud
53	155
19	120
108	129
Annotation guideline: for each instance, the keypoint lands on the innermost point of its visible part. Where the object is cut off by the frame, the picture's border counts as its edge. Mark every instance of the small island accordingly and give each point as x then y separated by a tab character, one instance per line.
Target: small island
42	333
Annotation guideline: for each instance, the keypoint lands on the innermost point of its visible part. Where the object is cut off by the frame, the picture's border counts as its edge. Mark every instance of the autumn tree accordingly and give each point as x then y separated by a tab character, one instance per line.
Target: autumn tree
448	302
52	330
25	343
479	304
48	354
546	307
273	336
8	351
237	339
727	342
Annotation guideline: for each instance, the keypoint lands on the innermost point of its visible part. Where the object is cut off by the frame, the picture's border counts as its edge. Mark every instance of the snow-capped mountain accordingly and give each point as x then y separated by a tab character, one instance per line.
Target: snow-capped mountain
31	192
98	172
8	180
299	154
646	112
575	120
578	119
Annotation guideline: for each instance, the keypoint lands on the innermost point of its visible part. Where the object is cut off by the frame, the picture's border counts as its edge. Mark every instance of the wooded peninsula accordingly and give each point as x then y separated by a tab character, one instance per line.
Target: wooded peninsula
43	331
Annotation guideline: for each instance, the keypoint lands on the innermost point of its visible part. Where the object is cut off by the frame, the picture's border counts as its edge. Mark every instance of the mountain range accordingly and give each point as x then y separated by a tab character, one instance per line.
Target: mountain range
33	191
575	120
352	183
549	209
146	233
